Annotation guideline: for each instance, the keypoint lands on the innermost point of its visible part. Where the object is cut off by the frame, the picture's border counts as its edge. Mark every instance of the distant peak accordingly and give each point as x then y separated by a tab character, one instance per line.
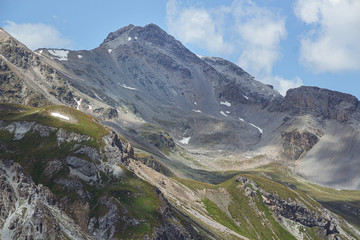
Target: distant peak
150	33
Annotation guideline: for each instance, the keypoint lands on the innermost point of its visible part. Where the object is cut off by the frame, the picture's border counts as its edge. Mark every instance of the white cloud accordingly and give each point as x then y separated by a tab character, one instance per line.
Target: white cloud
333	43
285	84
37	35
260	31
244	29
197	26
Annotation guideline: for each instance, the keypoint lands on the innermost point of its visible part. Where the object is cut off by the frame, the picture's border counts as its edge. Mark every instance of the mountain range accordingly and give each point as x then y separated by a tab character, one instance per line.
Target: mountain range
140	138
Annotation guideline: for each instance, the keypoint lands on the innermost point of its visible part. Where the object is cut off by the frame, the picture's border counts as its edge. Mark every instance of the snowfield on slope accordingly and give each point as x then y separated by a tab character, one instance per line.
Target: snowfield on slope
226	103
59	115
61	55
185	140
253	125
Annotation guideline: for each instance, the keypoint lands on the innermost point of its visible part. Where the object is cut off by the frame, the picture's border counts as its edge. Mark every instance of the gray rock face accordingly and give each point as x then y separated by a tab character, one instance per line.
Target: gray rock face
29	211
296	144
104	227
64	136
242	87
319	102
87	168
155	77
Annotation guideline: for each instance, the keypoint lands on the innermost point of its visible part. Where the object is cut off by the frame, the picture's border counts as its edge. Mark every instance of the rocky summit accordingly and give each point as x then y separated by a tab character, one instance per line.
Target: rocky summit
139	138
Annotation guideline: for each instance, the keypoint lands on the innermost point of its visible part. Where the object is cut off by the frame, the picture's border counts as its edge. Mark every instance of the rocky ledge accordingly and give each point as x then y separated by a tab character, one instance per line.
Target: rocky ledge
319	102
326	222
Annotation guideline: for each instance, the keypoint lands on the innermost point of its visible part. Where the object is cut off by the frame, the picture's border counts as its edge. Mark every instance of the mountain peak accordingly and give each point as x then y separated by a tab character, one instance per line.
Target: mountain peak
149	33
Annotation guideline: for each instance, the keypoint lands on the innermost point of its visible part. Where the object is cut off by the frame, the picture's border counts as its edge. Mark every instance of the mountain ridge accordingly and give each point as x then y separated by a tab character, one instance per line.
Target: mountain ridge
212	146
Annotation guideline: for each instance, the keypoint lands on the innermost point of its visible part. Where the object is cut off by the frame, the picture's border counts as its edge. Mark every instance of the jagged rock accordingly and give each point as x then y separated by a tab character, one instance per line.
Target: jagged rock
64	136
91	152
29	211
319	102
83	166
295	144
43	130
291	209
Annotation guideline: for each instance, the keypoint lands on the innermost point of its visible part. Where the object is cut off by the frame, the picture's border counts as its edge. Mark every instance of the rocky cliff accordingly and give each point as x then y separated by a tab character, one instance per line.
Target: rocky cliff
68	182
319	102
199	118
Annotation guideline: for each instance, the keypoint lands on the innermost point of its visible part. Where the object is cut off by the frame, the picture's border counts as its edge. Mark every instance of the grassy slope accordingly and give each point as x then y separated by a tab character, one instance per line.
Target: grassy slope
134	197
248	217
330	198
252	218
83	123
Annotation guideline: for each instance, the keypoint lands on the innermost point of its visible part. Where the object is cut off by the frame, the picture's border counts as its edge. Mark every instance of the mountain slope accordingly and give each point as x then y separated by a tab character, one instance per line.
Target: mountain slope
85	171
206	136
187	109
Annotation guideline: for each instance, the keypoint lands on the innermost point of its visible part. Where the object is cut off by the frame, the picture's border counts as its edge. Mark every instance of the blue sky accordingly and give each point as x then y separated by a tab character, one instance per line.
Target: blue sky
283	43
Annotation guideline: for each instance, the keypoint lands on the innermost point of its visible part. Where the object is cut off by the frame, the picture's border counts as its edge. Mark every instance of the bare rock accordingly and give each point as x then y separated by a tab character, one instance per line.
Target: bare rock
295	144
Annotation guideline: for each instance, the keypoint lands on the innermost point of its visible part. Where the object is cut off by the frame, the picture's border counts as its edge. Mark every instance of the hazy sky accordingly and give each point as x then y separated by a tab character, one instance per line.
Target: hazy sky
283	43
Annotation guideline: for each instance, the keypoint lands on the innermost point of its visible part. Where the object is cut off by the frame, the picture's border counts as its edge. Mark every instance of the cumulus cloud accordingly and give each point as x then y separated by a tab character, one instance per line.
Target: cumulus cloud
260	31
333	43
197	26
37	35
244	29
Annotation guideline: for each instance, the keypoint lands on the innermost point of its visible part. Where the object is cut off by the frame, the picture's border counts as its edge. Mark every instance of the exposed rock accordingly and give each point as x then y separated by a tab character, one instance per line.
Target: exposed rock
295	144
43	130
293	210
64	136
83	166
319	102
104	227
109	113
91	152
19	129
29	211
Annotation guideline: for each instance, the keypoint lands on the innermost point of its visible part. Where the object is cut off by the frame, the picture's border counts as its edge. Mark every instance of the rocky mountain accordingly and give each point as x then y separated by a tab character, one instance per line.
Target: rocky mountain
175	146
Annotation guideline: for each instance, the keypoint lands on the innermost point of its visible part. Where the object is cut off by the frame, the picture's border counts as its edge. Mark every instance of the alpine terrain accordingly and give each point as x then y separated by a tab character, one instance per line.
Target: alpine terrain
140	138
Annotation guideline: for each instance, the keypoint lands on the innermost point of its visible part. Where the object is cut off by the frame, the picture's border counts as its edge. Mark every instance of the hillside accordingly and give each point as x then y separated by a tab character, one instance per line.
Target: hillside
140	138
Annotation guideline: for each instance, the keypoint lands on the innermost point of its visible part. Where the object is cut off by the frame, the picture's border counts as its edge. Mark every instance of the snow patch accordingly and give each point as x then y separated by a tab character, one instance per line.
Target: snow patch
61	55
90	107
185	140
223	113
78	103
41	51
80	56
195	103
246	97
135	38
228	112
59	115
253	125
260	130
98	97
129	39
253	84
199	56
226	103
124	86
198	111
109	50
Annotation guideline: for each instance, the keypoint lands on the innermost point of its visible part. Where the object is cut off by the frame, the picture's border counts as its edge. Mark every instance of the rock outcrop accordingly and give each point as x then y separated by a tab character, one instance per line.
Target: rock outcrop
30	211
319	102
296	143
295	211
